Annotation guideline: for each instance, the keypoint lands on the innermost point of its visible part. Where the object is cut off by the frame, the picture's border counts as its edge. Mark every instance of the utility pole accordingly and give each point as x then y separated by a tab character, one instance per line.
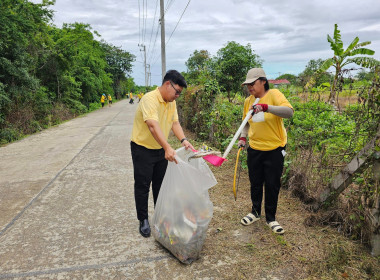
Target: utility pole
144	50
163	54
149	74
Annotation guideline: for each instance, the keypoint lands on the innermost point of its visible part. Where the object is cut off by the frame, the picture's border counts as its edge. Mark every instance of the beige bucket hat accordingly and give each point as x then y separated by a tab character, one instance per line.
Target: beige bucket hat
253	74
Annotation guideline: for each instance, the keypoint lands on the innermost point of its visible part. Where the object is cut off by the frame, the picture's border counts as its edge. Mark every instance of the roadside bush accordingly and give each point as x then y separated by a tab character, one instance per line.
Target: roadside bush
206	112
41	103
316	124
94	106
60	113
9	134
76	107
4	102
224	120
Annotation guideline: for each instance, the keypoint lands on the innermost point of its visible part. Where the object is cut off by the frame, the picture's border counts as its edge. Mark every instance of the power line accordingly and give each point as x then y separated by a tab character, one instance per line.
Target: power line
151	51
168	4
178	22
140	32
138	3
151	34
155	40
145	16
155	60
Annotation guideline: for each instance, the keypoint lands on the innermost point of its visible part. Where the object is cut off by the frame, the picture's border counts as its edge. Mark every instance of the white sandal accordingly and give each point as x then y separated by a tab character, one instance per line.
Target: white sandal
249	219
276	228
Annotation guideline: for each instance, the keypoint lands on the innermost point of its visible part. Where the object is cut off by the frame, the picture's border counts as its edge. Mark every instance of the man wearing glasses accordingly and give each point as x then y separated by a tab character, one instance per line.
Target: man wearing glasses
155	117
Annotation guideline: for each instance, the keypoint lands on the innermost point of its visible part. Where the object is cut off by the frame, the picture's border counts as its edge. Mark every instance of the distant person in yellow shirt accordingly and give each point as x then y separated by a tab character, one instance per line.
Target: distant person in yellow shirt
266	150
131	98
155	117
109	100
103	99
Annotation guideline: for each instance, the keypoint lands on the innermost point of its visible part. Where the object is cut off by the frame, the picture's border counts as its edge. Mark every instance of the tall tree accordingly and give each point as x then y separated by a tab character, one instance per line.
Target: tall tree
198	66
343	57
232	64
23	39
119	65
80	66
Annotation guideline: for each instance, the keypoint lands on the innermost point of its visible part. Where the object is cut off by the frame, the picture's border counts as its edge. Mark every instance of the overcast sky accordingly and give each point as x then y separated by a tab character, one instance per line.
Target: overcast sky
285	34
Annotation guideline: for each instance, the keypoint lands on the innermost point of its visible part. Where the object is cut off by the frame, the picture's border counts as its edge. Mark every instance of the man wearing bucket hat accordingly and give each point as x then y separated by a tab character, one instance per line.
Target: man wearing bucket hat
266	150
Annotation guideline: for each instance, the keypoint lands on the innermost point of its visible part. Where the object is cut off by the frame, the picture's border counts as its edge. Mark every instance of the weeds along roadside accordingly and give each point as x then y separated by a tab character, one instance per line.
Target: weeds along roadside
311	252
322	139
39	115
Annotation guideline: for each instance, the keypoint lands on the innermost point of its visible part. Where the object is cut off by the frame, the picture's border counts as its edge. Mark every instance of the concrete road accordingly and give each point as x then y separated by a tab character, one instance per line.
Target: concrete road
67	209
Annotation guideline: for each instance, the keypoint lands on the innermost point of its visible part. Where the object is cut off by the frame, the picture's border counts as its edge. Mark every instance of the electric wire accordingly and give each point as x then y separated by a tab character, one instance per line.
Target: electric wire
145	15
168	5
140	33
138	3
153	51
178	22
166	43
151	33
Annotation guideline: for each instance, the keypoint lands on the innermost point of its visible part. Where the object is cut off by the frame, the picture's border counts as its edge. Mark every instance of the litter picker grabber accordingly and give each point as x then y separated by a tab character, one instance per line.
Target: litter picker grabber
217	160
204	154
238	163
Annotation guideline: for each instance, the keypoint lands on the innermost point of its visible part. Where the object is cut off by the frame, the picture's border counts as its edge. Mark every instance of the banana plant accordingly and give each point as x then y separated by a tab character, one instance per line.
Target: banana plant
343	57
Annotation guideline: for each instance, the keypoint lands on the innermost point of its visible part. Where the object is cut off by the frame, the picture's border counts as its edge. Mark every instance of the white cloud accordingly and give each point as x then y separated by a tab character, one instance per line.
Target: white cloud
373	27
285	34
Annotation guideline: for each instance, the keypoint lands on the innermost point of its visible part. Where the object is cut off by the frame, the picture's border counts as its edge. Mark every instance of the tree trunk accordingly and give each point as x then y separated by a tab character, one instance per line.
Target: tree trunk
334	86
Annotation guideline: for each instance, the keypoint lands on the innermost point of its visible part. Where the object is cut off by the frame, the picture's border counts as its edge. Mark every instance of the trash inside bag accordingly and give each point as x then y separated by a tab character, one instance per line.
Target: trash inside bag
184	209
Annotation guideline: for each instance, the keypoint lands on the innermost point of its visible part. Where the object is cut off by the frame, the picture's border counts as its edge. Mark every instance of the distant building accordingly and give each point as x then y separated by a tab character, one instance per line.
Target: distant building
277	83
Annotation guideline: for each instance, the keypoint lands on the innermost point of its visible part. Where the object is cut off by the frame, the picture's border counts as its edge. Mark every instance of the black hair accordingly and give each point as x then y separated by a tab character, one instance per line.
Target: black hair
266	85
175	77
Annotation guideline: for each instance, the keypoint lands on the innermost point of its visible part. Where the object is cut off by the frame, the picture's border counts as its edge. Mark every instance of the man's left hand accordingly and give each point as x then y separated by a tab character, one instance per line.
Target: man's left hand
187	145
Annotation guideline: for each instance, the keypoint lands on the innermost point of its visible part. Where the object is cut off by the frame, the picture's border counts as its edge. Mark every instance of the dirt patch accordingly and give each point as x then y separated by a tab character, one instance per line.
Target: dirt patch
254	252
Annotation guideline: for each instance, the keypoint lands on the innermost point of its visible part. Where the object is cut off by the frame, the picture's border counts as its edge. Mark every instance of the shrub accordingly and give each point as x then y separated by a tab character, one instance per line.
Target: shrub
94	106
9	134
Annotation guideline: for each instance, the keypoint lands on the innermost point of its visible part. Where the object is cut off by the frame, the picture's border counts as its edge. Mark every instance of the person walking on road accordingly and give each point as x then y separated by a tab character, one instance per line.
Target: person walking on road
266	150
109	100
156	115
131	98
103	99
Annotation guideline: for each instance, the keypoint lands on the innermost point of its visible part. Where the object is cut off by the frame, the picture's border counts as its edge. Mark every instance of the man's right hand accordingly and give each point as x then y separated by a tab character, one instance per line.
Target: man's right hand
170	154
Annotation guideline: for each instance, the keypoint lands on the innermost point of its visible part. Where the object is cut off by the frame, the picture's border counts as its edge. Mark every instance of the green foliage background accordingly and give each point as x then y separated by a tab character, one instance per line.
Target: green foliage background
321	138
50	74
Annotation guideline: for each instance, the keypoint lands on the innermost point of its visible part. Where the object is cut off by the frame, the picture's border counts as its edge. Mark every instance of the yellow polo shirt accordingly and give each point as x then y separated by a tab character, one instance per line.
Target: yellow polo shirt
270	134
153	107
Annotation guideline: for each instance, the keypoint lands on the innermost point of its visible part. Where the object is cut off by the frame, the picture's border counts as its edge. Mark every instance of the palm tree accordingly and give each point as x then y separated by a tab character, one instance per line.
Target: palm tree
343	57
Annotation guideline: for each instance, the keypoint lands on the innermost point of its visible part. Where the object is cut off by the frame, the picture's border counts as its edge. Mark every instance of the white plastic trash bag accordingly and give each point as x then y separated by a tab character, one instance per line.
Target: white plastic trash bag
184	209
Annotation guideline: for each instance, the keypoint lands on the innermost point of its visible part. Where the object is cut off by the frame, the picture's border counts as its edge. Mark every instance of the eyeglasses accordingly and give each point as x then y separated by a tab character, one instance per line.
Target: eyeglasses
251	84
177	92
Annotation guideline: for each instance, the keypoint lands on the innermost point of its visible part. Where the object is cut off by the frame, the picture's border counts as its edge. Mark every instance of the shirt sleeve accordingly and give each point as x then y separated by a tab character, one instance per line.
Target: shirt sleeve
175	117
149	109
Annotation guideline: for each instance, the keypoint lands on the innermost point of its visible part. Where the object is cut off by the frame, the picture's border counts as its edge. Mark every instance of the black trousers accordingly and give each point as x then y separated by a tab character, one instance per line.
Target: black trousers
265	168
149	166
